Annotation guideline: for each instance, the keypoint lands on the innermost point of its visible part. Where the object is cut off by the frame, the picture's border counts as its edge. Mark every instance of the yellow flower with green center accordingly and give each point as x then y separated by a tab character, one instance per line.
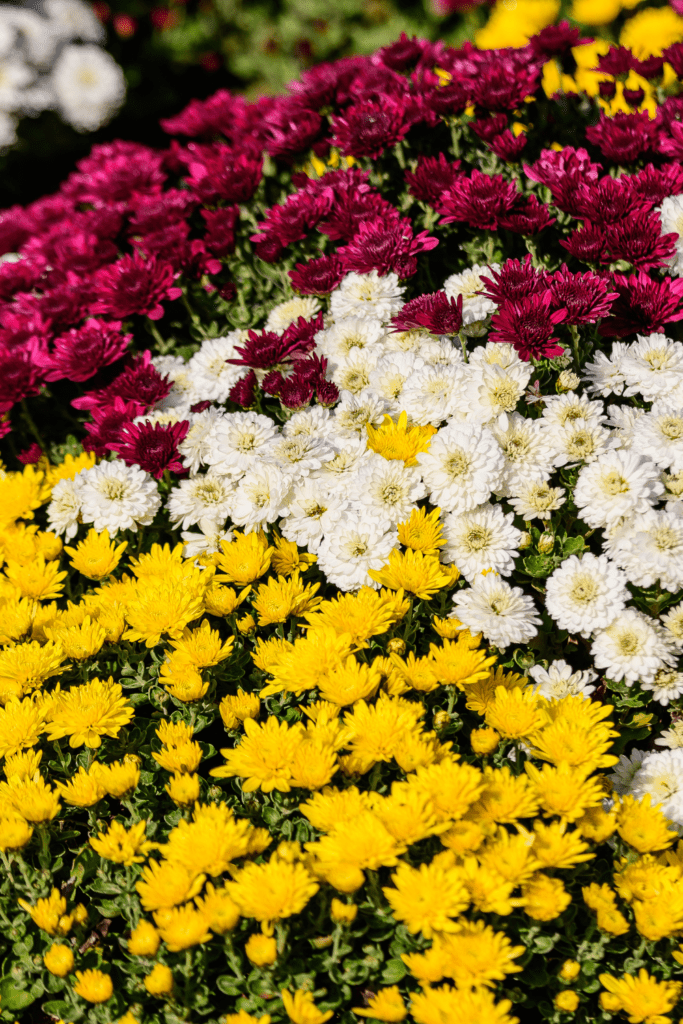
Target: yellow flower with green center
121	845
412	571
38	579
244	559
88	712
644	999
422	531
394	439
96	556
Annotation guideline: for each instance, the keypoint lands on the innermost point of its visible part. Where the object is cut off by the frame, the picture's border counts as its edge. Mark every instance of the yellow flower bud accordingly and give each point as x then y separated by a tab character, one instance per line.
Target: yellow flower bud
59	959
567	1001
94	986
246	624
343	913
261	950
396	645
569	970
546	543
144	940
159	982
183	789
484	741
441	718
609	1002
80	913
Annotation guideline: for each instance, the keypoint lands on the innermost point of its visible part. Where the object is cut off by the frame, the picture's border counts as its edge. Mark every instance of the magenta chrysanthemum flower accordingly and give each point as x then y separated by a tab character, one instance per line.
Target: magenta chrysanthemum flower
528	326
367	128
563	172
134	285
508	146
19	378
432	176
385	247
587	245
81	352
584	296
514	281
29	456
556	40
617	61
115	171
638	240
107	424
243	393
140	382
607	201
265	350
527	217
317	277
479	201
437	313
217	173
643	305
654	184
220	229
152	446
624	137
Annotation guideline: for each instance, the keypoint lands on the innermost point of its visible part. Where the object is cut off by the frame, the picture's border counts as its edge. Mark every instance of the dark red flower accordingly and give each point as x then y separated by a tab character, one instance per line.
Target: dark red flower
20	276
317	277
650	67
608	201
654	184
638	240
265	350
291	128
19	378
79	253
563	172
296	393
402	54
220	229
670	141
487	128
62	306
220	173
243	393
514	281
29	456
107	423
584	296
586	245
436	312
217	115
623	137
618	61
527	217
479	201
528	326
643	305
432	176
135	285
153	213
15	228
556	40
115	171
501	83
508	146
81	352
673	55
385	247
367	128
139	382
17	328
327	393
152	446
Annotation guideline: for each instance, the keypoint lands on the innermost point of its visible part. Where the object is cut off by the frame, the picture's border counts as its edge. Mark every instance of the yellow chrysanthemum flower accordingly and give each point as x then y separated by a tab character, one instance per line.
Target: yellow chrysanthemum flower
422	531
96	556
277	599
264	757
564	791
23	765
83	789
244	559
335	807
94	986
16	619
38	579
428	898
21	725
219	910
79	642
32	799
433	1005
362	615
46	912
182	927
69	468
236	709
261	950
458	663
418	574
121	845
555	847
15	832
144	939
183	789
21	494
644	999
272	891
221	601
515	714
203	647
165	884
163	609
301	1009
506	798
643	826
603	901
88	712
59	959
210	842
308	661
159	982
395	440
545	897
651	30
119	777
288	558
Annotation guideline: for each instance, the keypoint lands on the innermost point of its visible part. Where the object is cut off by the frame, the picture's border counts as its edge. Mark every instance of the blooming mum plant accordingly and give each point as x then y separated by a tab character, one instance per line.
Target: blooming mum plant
342	556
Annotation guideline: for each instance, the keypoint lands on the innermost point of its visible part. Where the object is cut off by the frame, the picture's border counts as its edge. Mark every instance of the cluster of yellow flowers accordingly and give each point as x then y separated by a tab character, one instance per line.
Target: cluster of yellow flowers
437	792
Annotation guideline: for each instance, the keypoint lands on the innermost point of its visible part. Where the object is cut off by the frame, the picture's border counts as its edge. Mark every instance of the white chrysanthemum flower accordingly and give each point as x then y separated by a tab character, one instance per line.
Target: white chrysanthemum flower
73	19
673	737
537	500
673	494
615	486
355	412
387	489
475	307
495	353
481	539
407	341
350	335
198	441
604	376
527	451
434	394
8	130
314	511
633	648
260	498
212	376
580	441
237	441
15	76
357	544
503	614
672	622
626	770
661	776
38	36
660	436
564	410
299	455
671	216
649	548
652	366
207	541
462	467
164	416
64	509
390	375
118	497
666	686
352	374
559	680
207	496
341	471
441	352
311	422
182	394
89	86
494	389
587	593
287	313
367	296
624	422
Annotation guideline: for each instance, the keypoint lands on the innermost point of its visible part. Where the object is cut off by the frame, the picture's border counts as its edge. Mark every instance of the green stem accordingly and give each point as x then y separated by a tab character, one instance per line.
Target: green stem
30	423
44	854
455	140
451	699
154	331
374	890
574	331
463	345
335	944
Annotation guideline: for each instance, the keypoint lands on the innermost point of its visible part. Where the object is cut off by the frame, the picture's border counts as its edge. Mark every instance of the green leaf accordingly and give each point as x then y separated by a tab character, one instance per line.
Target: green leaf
57	1008
227	985
393	971
573	545
14	998
539	565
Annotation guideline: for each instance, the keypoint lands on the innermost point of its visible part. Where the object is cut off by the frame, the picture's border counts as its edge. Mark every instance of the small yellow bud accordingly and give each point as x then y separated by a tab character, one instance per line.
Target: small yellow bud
183	789
80	913
246	624
567	1001
567	381
396	646
261	950
59	959
524	541
343	913
441	718
144	940
484	740
569	970
159	982
546	543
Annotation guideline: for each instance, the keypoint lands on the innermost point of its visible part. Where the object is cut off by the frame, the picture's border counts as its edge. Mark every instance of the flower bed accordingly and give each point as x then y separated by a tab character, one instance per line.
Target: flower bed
341	594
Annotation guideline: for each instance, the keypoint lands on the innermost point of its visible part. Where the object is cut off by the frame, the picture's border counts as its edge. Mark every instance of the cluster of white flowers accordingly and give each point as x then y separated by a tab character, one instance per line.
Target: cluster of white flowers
488	467
50	60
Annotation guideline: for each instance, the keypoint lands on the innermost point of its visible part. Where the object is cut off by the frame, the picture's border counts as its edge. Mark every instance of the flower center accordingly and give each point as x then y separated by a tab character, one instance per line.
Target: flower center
457	463
628	642
584	588
477	538
614	483
115	490
671	427
505	395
